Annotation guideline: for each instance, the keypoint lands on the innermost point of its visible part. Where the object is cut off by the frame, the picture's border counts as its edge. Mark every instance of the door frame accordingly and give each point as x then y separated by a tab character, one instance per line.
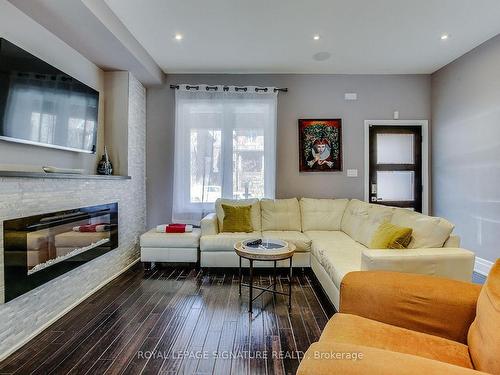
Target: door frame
424	125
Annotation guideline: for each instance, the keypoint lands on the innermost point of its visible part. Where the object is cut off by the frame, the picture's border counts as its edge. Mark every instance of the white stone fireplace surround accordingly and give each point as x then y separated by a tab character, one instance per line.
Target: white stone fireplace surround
24	317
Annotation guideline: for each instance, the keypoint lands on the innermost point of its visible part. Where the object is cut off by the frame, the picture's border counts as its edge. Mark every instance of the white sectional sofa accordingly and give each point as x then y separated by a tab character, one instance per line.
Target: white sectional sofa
332	237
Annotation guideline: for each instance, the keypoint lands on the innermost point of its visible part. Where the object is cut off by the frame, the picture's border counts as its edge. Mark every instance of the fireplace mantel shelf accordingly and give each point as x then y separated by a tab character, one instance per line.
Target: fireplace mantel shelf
61	176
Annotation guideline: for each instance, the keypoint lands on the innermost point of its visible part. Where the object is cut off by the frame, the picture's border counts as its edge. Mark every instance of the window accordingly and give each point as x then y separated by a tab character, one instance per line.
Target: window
225	147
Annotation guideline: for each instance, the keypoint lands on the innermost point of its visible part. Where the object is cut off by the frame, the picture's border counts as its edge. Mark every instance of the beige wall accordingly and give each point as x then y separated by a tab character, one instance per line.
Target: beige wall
309	96
466	147
21	30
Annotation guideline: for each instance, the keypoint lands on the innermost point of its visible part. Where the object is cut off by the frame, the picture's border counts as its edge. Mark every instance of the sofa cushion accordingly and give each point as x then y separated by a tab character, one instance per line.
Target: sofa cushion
237	218
353	329
225	241
336	252
362	219
254	212
299	239
280	214
391	236
322	214
173	240
483	337
428	231
333	358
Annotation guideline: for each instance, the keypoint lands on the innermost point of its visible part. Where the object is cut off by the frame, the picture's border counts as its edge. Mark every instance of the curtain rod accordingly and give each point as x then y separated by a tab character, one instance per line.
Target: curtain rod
226	88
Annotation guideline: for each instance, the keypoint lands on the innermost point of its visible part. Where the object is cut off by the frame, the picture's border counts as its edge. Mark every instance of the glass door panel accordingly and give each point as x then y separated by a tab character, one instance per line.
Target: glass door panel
395	148
396	185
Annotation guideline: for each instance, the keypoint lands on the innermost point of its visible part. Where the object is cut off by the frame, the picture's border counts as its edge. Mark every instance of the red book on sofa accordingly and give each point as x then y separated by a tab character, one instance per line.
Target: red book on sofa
176	228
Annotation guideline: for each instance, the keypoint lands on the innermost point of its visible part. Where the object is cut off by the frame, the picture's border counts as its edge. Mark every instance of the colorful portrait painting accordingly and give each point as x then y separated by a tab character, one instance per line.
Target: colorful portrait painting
320	145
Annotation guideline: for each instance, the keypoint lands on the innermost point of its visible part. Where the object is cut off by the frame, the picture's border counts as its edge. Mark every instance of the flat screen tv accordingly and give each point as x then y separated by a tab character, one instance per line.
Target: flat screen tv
41	105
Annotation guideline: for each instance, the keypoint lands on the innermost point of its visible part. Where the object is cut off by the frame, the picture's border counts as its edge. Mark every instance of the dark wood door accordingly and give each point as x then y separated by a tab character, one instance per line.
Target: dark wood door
395	174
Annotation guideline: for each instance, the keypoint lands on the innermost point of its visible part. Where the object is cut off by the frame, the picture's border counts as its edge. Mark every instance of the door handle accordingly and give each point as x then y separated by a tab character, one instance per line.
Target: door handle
373	192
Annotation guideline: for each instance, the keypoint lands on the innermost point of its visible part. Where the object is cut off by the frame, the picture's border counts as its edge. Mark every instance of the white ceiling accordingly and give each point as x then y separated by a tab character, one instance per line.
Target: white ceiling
91	28
276	36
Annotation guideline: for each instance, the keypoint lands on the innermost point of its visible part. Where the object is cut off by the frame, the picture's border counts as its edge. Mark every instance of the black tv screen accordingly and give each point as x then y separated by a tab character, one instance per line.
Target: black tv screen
41	105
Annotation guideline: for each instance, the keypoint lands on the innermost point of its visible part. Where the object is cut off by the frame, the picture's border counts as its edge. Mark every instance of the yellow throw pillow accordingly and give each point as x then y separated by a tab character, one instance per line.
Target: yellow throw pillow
391	236
237	218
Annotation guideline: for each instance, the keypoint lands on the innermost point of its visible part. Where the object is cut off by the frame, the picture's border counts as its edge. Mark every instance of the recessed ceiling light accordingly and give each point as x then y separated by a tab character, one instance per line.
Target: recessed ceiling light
444	36
316	37
178	36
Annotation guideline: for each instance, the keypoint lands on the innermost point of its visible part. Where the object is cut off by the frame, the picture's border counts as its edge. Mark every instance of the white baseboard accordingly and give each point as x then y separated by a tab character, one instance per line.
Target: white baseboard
482	266
62	313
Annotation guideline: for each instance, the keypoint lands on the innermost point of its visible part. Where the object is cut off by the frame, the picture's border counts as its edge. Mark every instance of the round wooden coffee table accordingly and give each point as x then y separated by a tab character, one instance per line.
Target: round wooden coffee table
269	250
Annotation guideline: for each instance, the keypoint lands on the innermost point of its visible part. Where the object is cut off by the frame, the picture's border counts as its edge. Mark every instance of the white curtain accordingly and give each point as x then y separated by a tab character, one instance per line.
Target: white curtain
225	146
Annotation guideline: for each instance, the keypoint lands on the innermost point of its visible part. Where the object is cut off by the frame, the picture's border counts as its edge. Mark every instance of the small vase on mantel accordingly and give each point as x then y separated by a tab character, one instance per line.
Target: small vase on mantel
104	166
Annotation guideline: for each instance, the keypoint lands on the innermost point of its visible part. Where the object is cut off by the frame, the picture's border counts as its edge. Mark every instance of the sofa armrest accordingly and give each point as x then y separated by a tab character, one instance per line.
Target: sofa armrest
336	358
428	304
452	262
209	225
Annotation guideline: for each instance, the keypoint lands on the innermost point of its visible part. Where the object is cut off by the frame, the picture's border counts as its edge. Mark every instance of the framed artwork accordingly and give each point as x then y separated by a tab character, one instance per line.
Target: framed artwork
320	145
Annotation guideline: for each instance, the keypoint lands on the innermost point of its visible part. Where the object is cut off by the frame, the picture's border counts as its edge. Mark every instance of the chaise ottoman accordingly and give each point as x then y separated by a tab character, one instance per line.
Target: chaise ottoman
170	247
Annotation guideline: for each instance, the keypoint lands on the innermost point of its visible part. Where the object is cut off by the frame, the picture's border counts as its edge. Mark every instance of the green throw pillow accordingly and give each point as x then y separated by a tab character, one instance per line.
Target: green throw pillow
391	236
237	218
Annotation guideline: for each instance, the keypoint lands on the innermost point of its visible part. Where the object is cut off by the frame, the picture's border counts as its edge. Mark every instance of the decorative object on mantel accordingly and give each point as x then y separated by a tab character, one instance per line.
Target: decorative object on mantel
105	167
50	169
320	145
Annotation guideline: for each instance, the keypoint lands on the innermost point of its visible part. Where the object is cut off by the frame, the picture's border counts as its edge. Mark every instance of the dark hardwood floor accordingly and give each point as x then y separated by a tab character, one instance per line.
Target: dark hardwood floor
179	321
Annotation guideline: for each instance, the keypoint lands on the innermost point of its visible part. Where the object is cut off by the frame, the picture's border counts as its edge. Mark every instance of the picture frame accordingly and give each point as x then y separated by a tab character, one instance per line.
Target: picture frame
320	145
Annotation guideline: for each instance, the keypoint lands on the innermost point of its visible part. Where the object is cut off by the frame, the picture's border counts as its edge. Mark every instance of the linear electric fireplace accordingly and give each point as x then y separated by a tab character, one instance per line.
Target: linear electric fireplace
42	247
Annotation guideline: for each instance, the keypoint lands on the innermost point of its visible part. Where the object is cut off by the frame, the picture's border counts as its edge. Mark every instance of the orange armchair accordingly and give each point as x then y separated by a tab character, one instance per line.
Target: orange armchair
396	323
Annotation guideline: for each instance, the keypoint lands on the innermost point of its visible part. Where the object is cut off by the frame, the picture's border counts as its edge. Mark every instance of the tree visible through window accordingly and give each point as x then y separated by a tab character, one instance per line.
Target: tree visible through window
224	148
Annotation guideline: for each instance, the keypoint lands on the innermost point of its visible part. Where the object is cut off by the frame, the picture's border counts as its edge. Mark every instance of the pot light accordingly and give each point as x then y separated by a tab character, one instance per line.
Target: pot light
444	37
178	36
316	37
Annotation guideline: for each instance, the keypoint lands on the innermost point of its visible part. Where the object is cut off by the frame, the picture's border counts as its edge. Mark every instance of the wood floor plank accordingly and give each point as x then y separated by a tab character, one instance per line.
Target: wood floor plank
231	313
184	298
149	323
257	341
38	348
127	352
214	333
179	346
131	349
309	329
71	352
286	332
274	365
104	342
226	342
241	347
319	313
100	367
29	351
210	302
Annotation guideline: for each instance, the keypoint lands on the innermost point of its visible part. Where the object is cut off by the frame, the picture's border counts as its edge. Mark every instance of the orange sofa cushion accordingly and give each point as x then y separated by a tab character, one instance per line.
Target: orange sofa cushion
428	304
320	360
352	329
484	333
